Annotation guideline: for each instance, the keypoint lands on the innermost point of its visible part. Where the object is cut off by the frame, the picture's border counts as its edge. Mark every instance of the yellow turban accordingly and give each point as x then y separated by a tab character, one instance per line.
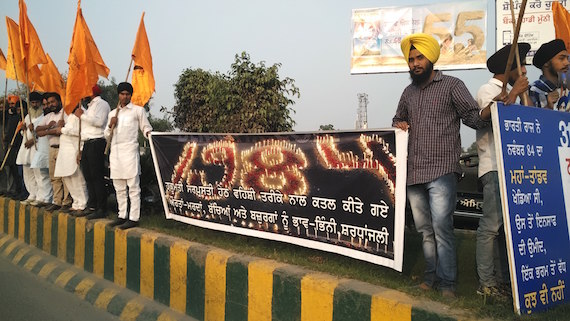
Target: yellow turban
426	44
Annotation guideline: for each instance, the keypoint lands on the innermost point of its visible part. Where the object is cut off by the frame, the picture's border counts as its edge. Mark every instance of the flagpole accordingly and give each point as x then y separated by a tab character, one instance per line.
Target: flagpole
525	99
515	40
4	111
117	113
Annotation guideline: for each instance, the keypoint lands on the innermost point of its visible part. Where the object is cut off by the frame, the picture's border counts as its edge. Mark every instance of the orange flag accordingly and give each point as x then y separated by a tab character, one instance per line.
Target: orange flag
143	78
561	19
32	51
51	79
85	63
14	67
2	60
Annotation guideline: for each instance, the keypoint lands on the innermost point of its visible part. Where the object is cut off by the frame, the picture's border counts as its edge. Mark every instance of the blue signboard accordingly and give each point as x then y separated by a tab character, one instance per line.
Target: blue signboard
533	150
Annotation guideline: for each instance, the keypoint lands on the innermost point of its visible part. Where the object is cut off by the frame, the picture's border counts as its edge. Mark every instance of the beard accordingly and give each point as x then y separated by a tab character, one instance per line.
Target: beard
424	76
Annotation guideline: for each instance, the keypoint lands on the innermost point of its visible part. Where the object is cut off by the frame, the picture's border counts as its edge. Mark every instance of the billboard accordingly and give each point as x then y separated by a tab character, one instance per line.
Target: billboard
341	192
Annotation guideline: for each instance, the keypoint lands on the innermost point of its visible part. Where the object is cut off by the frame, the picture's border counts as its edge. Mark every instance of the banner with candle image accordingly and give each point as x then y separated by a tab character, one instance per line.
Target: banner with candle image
341	192
533	157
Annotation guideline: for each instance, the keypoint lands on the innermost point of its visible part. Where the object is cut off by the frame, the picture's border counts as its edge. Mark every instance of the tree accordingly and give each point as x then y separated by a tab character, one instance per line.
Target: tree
251	98
326	127
471	149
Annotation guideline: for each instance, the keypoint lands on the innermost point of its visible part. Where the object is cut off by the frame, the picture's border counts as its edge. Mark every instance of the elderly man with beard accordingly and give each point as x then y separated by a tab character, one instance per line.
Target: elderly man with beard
431	109
49	127
552	59
27	149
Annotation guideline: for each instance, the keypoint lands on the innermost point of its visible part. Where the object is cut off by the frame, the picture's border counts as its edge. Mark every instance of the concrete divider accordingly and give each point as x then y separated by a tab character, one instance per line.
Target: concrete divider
204	282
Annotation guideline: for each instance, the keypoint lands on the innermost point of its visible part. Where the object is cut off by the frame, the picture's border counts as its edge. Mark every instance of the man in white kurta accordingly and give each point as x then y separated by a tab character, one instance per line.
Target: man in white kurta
124	158
49	127
67	164
27	148
40	164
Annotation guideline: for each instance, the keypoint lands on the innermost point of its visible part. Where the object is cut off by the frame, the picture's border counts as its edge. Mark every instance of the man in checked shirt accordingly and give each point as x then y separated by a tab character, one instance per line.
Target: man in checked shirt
431	109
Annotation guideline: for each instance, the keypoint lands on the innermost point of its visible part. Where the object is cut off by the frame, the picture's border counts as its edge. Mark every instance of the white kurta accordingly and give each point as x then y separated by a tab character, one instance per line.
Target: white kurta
124	157
25	155
66	163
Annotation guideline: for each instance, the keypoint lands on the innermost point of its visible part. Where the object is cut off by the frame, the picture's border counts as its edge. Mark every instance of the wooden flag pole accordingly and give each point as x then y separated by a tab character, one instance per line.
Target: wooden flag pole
525	99
4	111
108	146
513	47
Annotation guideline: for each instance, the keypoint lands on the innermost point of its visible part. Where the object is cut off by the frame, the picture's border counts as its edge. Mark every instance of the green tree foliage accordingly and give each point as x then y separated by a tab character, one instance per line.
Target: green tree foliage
251	98
326	127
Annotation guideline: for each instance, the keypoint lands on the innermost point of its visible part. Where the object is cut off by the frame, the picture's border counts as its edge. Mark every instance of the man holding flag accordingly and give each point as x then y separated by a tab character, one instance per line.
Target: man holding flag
124	158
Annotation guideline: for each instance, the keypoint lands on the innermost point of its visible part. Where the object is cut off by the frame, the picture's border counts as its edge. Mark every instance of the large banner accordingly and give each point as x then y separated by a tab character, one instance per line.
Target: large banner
537	26
341	192
460	28
533	148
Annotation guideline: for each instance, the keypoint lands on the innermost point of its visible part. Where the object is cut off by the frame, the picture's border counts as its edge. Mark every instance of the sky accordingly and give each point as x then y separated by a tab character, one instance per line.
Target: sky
311	39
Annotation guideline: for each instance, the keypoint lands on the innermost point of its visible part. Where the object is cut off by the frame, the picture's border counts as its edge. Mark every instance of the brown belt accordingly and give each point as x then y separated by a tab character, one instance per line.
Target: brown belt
54	146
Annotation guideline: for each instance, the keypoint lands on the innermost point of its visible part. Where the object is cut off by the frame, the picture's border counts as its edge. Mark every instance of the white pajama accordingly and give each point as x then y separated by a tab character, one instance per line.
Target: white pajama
77	189
30	182
43	182
134	190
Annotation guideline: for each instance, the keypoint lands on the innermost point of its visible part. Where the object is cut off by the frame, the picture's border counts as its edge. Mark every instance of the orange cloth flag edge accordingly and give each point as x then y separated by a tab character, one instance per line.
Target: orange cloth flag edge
32	50
2	60
14	67
143	77
52	81
561	18
85	64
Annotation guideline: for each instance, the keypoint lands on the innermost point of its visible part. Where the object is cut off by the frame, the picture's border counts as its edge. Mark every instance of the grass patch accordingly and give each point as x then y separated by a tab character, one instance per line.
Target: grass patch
344	267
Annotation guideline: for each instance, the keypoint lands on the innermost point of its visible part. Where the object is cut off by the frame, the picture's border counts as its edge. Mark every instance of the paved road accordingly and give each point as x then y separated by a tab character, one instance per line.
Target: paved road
24	296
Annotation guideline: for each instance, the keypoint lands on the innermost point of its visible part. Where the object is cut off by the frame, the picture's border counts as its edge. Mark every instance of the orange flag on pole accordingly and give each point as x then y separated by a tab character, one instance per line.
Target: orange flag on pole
143	78
51	79
32	51
14	64
561	18
85	63
2	60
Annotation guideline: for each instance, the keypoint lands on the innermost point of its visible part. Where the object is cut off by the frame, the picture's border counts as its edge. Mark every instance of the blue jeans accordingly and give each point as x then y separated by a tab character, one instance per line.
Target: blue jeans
491	249
433	204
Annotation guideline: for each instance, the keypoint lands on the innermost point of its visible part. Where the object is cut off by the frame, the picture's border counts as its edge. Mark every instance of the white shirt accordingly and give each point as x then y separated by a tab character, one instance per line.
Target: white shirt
94	119
484	136
53	139
124	157
40	158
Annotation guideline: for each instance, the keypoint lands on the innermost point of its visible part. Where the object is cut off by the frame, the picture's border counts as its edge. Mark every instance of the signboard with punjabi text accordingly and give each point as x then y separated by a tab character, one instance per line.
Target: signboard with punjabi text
533	148
341	192
537	26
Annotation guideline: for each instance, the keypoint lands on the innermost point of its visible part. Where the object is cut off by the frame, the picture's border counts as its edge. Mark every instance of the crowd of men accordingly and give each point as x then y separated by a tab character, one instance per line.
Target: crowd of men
57	160
431	109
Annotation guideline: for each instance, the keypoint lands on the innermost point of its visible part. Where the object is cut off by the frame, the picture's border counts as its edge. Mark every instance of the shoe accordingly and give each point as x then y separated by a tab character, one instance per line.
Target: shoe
119	221
128	224
96	215
82	213
448	294
491	292
65	208
425	287
52	207
26	202
34	203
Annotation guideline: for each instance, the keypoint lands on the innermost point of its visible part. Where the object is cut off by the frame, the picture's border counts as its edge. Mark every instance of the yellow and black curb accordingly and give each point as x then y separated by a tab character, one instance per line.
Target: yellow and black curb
199	281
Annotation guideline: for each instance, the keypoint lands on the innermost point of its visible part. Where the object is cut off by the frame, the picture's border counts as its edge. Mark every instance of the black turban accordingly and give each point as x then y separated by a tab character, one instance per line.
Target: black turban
35	96
547	51
497	63
125	86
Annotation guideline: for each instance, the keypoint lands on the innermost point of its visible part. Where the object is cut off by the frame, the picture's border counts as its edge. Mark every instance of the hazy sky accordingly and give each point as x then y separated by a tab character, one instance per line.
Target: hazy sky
311	39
